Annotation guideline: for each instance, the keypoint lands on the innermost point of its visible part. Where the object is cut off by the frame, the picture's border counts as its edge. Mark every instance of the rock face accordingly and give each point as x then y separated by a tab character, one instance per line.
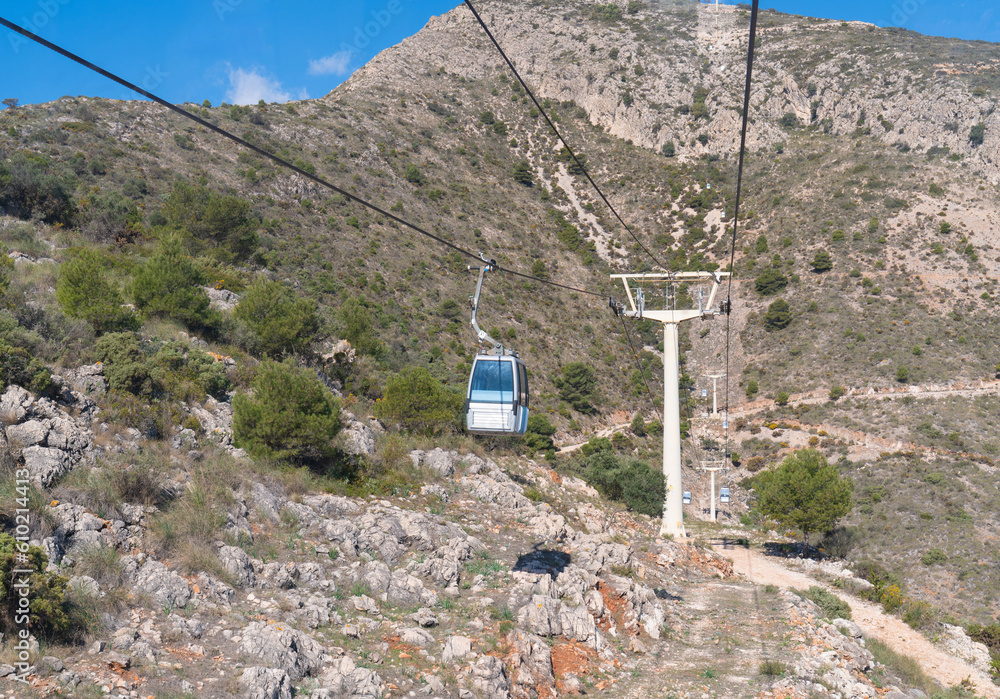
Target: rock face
265	683
279	647
49	438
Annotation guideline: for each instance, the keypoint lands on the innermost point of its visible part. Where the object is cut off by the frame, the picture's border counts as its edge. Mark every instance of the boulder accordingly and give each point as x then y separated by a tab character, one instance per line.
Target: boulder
239	565
455	648
489	677
284	648
265	683
45	464
167	587
540	616
531	667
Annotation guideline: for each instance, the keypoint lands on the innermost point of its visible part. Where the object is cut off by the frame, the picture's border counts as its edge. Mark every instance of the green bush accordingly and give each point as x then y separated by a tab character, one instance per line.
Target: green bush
837	392
577	386
933	557
822	262
839	541
17	366
6	269
111	217
29	187
356	324
284	323
169	285
289	416
417	401
538	436
50	614
84	292
638	426
523	174
977	133
597	444
770	282
126	366
752	388
218	224
772	668
778	315
627	480
832	606
414	175
781	398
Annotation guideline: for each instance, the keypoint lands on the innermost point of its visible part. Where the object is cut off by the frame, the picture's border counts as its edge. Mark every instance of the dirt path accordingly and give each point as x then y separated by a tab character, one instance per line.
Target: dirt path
945	668
606	432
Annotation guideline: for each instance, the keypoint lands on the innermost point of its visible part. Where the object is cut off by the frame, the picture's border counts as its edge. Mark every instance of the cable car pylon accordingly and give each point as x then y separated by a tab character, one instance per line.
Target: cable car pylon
671	317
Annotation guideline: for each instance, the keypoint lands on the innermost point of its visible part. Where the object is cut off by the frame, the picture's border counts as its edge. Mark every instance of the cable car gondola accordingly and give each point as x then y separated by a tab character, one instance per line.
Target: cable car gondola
496	401
687	497
724	495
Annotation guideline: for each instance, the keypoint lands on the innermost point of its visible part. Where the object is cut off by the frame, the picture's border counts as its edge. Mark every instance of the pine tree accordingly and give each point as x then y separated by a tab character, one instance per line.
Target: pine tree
805	492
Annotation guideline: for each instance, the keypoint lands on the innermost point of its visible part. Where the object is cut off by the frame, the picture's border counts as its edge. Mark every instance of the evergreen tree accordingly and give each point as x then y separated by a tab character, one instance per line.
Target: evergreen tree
169	285
822	262
84	291
778	316
283	322
417	401
576	386
805	492
289	416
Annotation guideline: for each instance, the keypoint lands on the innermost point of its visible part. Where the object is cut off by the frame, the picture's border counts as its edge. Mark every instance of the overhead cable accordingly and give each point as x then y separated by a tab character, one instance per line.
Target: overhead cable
739	182
280	161
552	126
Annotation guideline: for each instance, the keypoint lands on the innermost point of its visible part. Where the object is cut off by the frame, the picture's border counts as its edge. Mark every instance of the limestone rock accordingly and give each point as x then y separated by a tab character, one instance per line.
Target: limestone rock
265	683
281	647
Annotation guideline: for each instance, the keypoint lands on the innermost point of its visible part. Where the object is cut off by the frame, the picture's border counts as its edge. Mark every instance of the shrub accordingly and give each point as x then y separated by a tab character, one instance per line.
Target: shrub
933	557
778	316
770	282
538	436
597	444
111	217
822	262
976	134
902	374
752	388
839	541
290	415
357	326
781	398
638	426
6	269
837	392
628	480
284	323
669	149
413	175
772	668
219	224
832	606
577	386
29	187
523	173
917	614
755	464
126	366
50	615
169	285
17	366
417	401
84	292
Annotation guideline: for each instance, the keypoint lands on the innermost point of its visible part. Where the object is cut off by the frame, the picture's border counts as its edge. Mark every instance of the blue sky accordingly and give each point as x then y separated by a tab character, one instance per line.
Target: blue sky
240	51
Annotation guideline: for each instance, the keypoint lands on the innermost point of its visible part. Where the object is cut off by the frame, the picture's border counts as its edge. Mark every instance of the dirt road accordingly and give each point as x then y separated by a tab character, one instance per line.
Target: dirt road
943	667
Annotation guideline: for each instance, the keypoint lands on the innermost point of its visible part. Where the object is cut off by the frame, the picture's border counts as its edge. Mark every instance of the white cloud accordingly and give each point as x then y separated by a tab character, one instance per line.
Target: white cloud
335	64
250	87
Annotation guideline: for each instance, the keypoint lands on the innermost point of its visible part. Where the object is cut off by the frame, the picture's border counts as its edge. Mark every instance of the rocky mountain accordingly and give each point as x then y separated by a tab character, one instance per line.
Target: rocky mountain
424	561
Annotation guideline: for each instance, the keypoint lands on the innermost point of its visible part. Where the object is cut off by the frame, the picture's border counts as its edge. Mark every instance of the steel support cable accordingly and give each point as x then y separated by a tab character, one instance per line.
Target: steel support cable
559	135
736	211
638	365
284	163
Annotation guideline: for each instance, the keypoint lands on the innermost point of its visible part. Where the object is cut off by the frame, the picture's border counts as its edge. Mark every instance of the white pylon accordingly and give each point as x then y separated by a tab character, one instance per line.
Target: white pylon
671	317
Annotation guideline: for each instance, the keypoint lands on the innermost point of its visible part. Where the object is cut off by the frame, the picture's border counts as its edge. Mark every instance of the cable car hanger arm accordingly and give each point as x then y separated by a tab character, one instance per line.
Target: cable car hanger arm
481	334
